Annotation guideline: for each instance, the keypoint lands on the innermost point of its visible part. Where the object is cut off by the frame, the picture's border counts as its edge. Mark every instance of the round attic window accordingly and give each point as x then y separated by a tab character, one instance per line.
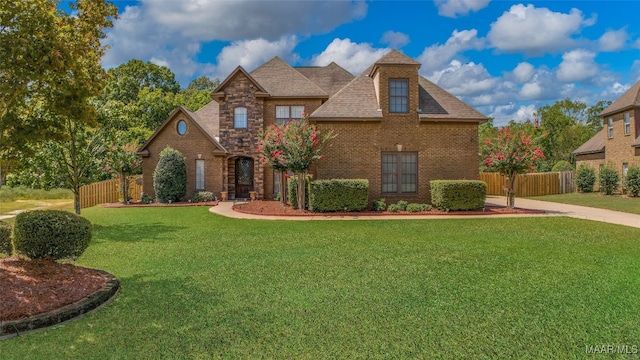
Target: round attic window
182	127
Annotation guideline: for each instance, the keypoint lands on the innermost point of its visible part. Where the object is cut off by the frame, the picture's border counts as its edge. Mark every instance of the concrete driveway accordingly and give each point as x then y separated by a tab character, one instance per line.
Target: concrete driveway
574	211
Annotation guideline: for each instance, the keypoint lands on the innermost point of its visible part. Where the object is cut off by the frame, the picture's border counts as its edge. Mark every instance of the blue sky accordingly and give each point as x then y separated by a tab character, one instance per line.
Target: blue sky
504	58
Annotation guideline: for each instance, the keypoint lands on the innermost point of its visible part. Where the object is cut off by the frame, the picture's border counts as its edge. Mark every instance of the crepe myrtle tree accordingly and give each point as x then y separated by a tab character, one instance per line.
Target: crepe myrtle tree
512	154
294	146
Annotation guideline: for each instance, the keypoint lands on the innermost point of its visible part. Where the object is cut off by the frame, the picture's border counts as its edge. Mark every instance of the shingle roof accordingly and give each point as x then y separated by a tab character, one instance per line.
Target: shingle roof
636	143
197	118
631	98
395	57
438	104
208	117
357	100
330	78
594	145
281	80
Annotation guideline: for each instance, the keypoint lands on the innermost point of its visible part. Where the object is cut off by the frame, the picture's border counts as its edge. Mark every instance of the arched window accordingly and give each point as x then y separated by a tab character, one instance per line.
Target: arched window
240	118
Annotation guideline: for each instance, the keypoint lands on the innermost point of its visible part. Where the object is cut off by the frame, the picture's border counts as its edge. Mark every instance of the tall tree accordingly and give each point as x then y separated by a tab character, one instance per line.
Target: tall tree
127	80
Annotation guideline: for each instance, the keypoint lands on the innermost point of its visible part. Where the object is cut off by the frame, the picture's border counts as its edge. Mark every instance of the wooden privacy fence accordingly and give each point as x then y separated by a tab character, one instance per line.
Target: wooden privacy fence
532	184
108	191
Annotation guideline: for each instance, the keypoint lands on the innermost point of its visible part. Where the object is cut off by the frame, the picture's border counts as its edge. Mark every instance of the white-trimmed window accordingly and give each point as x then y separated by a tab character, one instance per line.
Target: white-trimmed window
398	95
240	118
199	174
610	127
627	124
399	172
287	113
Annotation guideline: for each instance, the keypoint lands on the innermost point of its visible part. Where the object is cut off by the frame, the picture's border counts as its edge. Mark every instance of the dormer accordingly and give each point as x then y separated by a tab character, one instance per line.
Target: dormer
395	78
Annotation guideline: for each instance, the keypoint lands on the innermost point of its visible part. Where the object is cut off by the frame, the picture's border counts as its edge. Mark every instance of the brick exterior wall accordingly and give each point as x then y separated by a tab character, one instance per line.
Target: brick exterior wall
446	150
193	145
310	105
618	149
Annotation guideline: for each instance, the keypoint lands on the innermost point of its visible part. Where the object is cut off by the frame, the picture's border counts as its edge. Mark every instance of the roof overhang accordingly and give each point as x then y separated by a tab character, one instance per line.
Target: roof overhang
616	111
453	120
346	119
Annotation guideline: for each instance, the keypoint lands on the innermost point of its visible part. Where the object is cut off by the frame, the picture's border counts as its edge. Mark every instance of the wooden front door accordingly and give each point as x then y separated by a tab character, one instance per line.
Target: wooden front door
244	177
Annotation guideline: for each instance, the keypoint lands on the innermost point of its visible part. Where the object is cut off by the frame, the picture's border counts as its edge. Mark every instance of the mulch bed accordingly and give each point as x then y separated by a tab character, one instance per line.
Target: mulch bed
275	208
157	204
32	287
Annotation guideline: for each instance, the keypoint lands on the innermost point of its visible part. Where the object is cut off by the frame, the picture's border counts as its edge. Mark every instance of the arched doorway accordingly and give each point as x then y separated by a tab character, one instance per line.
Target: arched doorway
243	176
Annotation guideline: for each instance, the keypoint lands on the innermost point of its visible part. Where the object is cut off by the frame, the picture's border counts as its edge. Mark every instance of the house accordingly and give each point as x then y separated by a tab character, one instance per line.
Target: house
617	145
393	126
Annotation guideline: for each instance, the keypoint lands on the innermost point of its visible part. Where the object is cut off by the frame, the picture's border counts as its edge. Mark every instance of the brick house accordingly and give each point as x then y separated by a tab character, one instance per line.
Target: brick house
394	128
618	144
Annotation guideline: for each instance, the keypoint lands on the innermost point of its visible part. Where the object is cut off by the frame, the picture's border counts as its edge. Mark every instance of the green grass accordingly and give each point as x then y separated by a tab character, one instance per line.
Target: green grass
199	286
597	200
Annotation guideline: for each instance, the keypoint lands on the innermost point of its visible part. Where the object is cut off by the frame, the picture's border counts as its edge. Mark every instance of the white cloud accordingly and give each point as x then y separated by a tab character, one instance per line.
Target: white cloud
355	57
155	27
613	40
395	39
466	79
535	30
252	53
453	8
517	112
436	56
523	72
531	90
577	65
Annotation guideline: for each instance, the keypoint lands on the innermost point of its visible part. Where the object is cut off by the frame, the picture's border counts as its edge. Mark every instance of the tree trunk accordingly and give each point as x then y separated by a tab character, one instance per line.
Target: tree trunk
301	191
283	187
76	200
511	191
124	188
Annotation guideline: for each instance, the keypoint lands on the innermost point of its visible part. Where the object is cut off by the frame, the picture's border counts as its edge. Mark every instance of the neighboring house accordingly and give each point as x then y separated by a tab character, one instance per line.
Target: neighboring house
394	128
618	143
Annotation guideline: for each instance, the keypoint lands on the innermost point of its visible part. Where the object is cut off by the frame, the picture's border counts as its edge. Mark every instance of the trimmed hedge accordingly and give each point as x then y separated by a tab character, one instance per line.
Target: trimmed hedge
51	233
458	194
562	165
339	195
414	207
170	176
203	196
5	238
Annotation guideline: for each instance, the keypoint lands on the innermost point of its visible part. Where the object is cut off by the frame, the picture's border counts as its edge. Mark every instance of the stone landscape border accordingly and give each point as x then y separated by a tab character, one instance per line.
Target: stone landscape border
66	313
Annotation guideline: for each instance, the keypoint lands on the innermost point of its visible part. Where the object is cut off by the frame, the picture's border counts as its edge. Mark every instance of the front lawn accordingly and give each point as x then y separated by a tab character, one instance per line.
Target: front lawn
596	200
196	285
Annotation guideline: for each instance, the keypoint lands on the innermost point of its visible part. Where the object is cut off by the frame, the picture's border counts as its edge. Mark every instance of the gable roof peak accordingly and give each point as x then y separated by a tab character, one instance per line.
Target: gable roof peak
628	100
395	57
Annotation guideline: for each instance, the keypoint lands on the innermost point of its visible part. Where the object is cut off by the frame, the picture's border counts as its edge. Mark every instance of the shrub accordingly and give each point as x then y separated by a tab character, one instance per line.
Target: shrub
146	199
632	181
379	205
51	233
23	193
585	178
413	207
203	196
562	165
170	176
338	195
402	205
292	191
5	238
458	194
393	208
609	181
